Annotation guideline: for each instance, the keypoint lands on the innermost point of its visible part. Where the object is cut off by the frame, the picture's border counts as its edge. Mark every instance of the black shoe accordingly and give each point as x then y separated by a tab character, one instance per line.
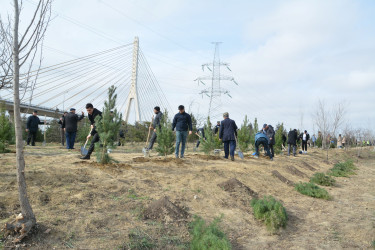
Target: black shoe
232	158
86	157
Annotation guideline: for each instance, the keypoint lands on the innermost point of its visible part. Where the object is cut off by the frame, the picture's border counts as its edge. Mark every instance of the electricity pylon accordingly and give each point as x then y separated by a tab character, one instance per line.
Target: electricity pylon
215	91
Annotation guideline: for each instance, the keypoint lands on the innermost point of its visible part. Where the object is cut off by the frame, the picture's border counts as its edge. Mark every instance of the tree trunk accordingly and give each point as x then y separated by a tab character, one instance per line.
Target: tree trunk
26	220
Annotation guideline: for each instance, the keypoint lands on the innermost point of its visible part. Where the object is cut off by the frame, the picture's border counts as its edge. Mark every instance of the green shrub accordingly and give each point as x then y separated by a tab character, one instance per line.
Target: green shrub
211	140
342	169
310	189
138	239
166	138
271	212
322	179
207	236
244	136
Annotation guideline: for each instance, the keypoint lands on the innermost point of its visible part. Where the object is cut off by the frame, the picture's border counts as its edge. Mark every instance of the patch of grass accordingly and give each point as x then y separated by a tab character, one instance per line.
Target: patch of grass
373	244
138	239
207	236
68	242
134	196
322	179
271	212
310	189
342	169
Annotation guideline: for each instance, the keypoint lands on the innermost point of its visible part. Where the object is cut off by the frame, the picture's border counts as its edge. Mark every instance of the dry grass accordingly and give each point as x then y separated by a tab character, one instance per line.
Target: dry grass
90	206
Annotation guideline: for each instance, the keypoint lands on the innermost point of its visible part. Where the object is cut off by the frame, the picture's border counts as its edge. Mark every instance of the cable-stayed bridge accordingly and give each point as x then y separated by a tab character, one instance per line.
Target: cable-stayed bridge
74	83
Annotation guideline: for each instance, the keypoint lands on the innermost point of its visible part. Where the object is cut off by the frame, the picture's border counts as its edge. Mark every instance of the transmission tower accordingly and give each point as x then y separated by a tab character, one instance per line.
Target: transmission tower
215	91
133	93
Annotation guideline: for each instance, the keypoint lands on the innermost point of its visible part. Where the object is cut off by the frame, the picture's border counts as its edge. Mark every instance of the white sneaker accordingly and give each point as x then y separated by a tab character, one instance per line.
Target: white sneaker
256	157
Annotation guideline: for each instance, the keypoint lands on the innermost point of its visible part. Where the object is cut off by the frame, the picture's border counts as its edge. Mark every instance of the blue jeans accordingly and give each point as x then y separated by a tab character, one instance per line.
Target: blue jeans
231	145
181	138
70	139
264	142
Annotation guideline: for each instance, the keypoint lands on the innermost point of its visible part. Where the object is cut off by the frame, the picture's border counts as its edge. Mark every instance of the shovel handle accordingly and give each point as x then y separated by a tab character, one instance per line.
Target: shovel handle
87	138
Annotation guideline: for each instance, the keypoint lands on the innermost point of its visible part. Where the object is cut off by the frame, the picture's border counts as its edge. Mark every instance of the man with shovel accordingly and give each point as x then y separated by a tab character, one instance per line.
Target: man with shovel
155	126
228	133
92	114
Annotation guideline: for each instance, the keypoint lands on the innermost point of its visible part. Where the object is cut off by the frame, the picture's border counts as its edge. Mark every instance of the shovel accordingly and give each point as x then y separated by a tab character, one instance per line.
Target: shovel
145	150
239	152
84	151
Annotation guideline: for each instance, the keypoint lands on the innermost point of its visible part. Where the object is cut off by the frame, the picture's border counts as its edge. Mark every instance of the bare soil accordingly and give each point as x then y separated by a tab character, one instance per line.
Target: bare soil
84	205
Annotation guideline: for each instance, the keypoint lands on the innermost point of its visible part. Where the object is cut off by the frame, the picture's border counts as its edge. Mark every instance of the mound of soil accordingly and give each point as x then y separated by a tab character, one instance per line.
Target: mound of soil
208	157
276	174
235	186
307	166
157	160
295	171
164	210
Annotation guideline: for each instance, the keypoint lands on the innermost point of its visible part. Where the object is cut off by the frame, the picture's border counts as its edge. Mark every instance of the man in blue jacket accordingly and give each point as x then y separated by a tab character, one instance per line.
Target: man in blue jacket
32	126
182	123
228	133
262	139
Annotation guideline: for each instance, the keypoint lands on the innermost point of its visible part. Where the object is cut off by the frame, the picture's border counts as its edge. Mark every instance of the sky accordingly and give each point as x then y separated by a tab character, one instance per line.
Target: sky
285	55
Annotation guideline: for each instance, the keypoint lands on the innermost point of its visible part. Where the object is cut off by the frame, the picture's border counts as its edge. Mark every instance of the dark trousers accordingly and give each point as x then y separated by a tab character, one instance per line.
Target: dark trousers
271	150
264	142
94	140
304	145
198	142
62	134
70	139
152	140
31	137
229	145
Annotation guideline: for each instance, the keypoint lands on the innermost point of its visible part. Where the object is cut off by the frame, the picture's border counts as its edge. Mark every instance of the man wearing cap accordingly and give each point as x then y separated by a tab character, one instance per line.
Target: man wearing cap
182	123
228	133
155	126
70	127
32	127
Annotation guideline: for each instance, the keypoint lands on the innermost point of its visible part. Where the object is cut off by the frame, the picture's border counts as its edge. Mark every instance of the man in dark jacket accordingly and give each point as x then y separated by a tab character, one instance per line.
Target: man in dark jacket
92	114
228	134
155	126
32	125
270	132
292	141
62	133
262	139
70	127
182	123
216	128
200	134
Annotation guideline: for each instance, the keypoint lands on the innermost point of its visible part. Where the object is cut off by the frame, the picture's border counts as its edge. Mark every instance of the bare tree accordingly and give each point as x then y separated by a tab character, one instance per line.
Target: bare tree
24	48
329	120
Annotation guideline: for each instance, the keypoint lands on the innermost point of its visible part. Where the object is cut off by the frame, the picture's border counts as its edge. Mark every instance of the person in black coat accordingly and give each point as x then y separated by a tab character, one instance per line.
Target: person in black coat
32	126
182	123
200	134
216	128
70	127
270	132
292	141
228	134
92	114
62	133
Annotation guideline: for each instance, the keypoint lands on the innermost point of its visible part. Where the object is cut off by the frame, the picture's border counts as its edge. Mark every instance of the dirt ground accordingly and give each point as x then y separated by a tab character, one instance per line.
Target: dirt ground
84	205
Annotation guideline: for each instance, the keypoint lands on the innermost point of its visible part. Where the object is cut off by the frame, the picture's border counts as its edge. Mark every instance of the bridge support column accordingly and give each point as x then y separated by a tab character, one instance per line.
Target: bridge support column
133	93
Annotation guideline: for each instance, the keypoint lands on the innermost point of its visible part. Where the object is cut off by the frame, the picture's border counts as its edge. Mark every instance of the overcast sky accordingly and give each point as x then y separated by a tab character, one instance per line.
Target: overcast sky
285	55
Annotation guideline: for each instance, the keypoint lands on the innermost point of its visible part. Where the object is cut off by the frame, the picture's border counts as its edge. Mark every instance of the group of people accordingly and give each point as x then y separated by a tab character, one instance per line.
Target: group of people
182	126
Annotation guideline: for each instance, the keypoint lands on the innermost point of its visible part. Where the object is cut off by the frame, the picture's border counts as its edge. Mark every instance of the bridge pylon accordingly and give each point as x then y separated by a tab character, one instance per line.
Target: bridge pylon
133	93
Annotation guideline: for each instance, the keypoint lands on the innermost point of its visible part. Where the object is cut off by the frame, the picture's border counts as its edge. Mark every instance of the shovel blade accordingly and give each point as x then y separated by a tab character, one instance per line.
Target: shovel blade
84	151
240	154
